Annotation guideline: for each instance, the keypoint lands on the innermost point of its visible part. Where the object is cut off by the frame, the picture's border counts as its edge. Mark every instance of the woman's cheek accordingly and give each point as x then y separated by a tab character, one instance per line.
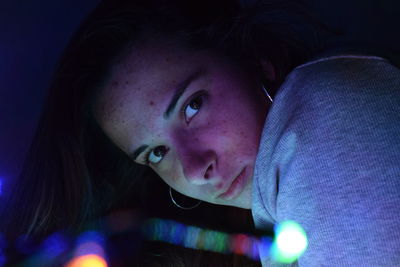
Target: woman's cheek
168	169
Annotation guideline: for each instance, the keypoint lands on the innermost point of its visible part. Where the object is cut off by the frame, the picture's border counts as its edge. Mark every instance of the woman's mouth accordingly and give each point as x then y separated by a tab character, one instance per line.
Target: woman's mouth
236	186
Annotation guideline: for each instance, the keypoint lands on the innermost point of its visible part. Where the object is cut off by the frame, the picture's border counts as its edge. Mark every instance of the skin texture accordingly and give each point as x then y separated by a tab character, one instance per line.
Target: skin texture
200	151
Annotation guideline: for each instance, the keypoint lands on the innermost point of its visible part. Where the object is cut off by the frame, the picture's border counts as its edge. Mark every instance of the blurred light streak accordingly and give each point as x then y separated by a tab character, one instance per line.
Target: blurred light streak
198	238
290	240
90	242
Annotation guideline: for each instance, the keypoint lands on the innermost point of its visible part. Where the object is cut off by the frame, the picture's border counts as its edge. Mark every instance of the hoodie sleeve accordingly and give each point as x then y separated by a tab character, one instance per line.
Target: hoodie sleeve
329	159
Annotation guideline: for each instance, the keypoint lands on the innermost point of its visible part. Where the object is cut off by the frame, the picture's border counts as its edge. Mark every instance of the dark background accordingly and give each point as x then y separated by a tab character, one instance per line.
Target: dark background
34	33
32	37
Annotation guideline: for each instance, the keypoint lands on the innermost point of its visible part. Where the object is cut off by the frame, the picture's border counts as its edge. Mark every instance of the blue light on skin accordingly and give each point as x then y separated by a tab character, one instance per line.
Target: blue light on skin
290	242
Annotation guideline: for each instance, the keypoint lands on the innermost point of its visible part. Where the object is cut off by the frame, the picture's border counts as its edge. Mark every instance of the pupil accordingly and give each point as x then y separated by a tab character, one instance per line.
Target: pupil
158	151
196	105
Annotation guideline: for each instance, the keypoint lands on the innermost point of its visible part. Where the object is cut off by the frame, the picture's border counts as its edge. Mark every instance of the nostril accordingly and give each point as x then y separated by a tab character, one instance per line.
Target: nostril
207	175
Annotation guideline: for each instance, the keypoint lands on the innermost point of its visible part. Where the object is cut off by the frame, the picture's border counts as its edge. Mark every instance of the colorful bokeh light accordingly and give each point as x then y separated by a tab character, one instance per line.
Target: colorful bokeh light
290	242
199	238
54	245
90	242
90	260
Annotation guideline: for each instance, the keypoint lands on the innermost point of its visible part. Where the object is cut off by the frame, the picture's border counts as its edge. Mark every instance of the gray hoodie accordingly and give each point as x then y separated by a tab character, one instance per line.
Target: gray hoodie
329	159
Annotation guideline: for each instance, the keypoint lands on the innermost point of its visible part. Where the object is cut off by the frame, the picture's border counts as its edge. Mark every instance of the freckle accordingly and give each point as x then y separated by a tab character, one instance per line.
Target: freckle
151	103
127	82
167	59
115	83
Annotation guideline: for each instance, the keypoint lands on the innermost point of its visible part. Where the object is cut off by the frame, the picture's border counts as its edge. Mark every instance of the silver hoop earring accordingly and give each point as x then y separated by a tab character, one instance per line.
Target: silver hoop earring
266	92
179	206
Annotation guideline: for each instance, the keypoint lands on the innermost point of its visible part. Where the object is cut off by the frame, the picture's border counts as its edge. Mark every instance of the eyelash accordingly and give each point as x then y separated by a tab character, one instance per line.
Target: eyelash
146	157
198	95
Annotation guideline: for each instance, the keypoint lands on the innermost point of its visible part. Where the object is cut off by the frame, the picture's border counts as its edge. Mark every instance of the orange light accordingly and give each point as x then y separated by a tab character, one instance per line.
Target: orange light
90	260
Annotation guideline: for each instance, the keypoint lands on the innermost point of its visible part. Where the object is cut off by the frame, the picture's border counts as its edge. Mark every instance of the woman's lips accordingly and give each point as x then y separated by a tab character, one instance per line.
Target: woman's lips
236	186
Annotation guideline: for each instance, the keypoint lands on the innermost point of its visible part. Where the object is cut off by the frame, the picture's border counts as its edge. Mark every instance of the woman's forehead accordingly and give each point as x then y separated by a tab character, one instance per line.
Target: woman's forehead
140	87
143	85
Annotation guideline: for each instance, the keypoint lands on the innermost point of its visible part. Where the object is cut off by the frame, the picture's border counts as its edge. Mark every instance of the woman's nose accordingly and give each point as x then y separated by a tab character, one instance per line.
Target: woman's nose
198	166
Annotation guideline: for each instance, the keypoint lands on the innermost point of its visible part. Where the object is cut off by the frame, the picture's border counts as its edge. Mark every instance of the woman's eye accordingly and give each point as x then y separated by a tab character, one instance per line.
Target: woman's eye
192	108
156	155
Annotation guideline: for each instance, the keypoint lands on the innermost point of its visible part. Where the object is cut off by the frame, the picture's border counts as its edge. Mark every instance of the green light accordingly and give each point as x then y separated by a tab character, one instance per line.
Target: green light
290	242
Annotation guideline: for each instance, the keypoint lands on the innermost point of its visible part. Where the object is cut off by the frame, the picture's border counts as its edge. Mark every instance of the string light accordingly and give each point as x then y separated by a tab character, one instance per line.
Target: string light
199	238
289	244
290	241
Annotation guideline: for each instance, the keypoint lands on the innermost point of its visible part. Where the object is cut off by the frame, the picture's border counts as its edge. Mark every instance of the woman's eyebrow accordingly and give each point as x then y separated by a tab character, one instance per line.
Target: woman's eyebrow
178	92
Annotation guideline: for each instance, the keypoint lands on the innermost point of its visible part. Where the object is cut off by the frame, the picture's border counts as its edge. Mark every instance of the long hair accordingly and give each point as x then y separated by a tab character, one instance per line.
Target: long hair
72	172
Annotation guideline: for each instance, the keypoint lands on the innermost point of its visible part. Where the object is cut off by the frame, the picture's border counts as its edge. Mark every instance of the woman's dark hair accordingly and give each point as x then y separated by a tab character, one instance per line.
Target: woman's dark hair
72	172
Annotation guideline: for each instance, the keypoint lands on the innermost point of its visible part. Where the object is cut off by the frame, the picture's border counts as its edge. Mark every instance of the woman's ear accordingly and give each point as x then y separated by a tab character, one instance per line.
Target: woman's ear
268	70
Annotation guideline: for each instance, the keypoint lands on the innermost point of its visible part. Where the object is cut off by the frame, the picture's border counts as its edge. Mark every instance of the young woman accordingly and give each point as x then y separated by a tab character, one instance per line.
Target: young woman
231	106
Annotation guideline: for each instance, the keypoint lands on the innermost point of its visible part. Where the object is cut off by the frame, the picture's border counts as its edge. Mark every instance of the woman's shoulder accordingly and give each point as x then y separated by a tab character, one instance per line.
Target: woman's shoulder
341	73
337	59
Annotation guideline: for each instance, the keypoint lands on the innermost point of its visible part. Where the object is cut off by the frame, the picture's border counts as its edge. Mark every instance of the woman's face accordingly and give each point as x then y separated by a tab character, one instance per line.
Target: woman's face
194	116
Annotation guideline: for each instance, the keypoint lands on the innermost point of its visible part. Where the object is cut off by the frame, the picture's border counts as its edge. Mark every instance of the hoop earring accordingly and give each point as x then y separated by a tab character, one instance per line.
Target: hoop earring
266	92
179	206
